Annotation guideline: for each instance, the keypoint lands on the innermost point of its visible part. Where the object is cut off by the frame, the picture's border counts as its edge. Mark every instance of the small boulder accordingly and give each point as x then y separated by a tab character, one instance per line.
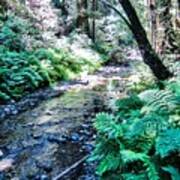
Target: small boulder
1	154
6	164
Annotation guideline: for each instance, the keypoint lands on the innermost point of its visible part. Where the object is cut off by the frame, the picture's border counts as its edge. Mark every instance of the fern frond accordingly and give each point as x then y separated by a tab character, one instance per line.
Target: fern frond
105	124
110	162
168	142
159	101
4	96
175	174
129	156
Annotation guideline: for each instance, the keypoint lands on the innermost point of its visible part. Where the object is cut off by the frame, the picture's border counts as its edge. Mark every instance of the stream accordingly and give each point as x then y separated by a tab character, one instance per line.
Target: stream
52	135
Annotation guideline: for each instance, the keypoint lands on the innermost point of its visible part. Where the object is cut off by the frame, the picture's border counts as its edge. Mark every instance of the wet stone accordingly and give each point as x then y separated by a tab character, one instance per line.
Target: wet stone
34	114
15	178
87	177
56	139
88	148
45	165
50	113
44	177
1	153
7	110
32	173
29	143
2	115
37	134
86	133
75	137
6	164
14	147
85	126
94	137
1	175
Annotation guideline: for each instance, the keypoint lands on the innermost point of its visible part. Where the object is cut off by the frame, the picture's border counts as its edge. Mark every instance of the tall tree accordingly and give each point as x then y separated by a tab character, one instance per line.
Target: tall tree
178	14
148	53
169	43
82	17
94	9
153	22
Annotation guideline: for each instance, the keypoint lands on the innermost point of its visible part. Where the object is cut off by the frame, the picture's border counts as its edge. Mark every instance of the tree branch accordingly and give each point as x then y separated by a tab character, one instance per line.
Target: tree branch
68	170
118	12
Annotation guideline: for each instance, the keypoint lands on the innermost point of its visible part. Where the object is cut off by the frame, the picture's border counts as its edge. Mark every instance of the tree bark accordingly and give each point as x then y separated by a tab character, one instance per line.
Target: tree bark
82	18
148	53
169	44
178	15
94	9
153	22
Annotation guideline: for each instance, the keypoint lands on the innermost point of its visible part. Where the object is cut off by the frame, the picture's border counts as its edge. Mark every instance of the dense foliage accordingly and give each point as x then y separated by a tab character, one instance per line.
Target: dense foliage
22	72
25	69
141	140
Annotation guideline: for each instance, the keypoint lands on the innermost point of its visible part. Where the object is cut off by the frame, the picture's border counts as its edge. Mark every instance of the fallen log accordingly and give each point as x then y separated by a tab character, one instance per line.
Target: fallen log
71	168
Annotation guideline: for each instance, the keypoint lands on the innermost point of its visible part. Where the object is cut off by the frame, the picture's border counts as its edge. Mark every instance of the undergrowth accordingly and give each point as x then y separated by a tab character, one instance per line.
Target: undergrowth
141	139
24	69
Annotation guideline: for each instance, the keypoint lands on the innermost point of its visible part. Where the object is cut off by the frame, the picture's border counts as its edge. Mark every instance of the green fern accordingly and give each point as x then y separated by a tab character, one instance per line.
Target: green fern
136	144
133	176
174	87
130	157
168	142
106	125
4	96
110	162
175	174
159	101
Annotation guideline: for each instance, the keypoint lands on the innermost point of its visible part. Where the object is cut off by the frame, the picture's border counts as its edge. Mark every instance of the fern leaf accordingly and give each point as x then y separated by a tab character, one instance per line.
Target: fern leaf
105	124
175	175
168	142
111	162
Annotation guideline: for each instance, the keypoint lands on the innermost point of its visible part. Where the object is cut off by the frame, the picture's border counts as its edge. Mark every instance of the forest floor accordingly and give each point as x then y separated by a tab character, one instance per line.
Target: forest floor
57	132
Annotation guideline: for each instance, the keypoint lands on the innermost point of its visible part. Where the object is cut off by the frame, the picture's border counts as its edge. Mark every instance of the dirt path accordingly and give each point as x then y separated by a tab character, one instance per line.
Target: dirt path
44	141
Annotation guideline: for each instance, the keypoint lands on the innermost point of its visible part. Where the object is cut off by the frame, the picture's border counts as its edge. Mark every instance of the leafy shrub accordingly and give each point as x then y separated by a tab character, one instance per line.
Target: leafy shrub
136	143
13	32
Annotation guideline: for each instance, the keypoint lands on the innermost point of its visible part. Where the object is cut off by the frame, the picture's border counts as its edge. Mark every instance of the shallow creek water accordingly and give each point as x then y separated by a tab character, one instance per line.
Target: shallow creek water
44	141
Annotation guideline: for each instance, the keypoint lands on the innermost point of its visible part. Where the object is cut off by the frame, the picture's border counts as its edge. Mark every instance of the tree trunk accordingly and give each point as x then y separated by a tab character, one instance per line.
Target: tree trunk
153	22
82	18
94	9
64	8
178	15
169	44
148	53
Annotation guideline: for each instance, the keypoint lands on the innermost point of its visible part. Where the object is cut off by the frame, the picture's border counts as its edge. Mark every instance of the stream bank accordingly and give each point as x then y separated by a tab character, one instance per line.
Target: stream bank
47	139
